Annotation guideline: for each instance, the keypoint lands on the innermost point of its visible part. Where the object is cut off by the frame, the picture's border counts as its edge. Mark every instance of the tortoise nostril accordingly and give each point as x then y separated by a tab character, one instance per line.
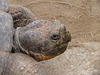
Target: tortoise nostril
55	37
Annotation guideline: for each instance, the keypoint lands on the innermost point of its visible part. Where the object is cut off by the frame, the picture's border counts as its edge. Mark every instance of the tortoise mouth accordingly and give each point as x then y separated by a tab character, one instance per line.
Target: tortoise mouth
61	48
58	49
48	55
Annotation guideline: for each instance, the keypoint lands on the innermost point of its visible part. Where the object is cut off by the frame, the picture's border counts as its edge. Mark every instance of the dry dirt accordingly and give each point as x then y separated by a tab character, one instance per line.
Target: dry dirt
82	19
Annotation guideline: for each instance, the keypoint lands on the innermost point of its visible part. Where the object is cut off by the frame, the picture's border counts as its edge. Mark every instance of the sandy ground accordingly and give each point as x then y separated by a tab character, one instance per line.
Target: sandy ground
82	19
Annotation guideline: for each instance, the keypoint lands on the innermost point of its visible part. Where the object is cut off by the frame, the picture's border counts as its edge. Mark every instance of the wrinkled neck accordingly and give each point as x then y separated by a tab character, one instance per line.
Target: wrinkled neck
16	43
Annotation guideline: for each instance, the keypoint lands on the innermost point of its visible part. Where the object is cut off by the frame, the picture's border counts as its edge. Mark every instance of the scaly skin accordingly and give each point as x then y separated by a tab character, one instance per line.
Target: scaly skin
42	39
4	6
21	16
6	31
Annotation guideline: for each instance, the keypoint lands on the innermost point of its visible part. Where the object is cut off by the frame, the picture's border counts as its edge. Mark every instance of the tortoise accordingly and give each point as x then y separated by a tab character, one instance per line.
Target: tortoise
22	36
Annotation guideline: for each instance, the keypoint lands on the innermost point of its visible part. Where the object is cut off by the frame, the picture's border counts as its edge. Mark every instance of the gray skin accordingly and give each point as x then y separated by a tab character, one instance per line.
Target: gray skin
39	39
6	31
14	63
4	5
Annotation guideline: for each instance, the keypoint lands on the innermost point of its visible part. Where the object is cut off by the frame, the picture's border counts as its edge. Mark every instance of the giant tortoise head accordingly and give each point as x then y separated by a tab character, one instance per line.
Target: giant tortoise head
43	39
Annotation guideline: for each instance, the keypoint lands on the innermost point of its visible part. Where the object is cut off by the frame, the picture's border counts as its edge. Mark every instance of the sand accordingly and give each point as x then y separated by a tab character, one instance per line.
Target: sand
82	19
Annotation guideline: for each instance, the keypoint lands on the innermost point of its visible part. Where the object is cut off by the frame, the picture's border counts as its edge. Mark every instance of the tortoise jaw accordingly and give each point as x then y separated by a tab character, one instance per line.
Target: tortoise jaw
45	56
40	57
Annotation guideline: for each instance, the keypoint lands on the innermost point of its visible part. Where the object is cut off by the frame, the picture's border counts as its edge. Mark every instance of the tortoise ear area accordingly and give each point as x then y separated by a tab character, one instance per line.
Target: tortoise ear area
46	43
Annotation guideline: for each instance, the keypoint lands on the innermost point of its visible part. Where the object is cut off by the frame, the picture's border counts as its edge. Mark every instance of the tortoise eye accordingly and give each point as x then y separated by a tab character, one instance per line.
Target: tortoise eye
55	37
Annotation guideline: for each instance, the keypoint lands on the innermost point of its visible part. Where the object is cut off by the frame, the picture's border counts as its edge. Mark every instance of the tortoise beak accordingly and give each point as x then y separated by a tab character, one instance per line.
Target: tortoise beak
68	37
